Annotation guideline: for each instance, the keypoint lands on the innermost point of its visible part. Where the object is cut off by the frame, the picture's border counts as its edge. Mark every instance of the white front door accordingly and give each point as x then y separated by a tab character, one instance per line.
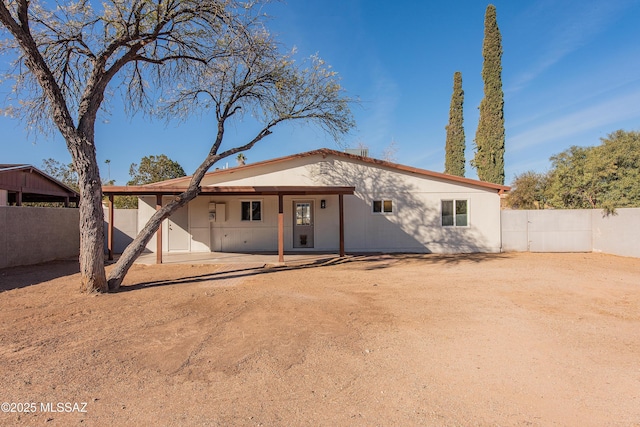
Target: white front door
303	228
178	230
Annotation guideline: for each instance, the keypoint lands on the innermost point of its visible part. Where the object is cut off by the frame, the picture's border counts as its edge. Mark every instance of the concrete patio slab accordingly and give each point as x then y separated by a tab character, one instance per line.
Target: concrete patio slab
257	259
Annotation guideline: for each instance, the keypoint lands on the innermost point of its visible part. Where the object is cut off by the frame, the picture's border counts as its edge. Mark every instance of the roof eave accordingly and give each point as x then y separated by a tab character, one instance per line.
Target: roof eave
141	190
327	152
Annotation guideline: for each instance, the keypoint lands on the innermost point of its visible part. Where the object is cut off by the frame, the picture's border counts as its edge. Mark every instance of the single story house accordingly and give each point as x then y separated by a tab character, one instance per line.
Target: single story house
329	201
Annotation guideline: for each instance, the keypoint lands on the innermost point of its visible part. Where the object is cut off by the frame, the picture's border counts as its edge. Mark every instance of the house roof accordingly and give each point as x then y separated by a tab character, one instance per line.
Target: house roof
143	190
33	185
180	182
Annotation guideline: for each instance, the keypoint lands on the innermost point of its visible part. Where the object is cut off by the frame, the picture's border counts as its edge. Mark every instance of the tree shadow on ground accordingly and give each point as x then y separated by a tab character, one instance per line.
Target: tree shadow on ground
28	275
368	262
24	276
397	259
241	272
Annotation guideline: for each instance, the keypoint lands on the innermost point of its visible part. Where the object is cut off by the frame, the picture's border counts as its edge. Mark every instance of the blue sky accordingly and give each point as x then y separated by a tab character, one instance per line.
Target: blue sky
571	75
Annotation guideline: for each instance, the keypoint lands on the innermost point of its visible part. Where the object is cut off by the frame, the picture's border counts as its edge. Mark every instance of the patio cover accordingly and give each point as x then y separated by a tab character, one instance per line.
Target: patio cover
280	191
28	184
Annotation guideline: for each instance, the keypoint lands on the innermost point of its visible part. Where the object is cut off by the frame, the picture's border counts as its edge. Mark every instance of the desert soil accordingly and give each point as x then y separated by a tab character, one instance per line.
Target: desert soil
404	340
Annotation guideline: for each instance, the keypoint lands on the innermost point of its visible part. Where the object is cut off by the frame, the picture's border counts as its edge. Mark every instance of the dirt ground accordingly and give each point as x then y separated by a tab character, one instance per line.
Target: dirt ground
502	339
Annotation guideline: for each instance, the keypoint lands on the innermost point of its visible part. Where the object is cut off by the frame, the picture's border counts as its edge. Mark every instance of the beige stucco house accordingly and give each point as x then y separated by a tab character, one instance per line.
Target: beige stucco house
329	201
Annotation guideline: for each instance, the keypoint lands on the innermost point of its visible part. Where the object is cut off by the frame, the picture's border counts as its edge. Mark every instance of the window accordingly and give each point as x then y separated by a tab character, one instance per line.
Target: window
252	210
382	206
303	213
455	213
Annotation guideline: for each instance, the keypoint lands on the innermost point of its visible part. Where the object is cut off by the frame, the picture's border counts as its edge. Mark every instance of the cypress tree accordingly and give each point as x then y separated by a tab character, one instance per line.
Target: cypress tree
455	144
489	157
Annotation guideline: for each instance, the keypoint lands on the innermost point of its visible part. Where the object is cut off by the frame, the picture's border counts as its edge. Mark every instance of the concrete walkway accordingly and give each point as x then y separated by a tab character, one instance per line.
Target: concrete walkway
257	259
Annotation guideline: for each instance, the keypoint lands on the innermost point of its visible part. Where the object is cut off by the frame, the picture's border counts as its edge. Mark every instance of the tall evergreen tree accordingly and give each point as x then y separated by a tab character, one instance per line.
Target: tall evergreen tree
489	157
455	144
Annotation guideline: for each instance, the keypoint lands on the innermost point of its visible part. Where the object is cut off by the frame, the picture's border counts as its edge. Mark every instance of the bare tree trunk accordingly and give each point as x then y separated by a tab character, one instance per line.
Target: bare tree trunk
92	273
135	248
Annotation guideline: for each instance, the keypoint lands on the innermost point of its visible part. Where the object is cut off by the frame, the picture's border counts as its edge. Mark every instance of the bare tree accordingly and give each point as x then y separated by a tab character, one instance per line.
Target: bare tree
390	152
263	83
69	54
70	57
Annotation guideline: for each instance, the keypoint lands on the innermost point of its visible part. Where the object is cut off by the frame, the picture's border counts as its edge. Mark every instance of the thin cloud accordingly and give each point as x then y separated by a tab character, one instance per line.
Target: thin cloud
584	90
379	105
608	113
575	28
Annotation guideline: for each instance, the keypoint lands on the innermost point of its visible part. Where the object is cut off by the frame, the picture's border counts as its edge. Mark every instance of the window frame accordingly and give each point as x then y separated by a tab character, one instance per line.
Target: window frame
251	212
382	210
454	214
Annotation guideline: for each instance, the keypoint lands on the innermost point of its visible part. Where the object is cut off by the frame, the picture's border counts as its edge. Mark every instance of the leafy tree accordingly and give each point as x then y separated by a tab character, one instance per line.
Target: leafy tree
529	191
490	134
455	143
182	56
602	177
66	174
572	184
241	159
151	169
154	169
619	161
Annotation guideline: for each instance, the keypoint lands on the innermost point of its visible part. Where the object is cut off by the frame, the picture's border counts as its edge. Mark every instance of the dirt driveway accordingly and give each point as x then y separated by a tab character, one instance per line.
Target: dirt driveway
506	339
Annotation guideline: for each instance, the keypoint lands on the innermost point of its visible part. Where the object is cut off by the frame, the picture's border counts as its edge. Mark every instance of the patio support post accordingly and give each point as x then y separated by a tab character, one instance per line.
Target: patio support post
110	230
280	227
159	232
341	210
